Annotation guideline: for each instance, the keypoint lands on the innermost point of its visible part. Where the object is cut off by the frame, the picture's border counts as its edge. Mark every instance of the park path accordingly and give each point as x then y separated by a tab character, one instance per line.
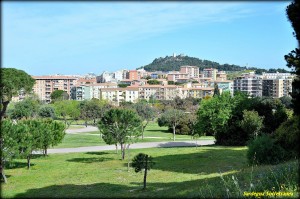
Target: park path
82	130
133	146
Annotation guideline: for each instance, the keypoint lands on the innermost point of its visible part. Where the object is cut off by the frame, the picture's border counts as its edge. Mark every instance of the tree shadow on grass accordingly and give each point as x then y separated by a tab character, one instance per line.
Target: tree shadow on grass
97	153
158	130
16	165
204	161
89	160
200	188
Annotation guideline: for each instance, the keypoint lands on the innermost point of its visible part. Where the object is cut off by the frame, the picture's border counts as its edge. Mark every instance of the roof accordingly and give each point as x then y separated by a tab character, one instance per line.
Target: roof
53	77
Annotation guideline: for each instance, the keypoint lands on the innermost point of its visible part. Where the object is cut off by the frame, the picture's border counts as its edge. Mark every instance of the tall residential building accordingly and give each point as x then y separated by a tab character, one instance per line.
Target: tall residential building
277	84
248	83
132	75
192	71
210	72
177	75
104	77
159	92
45	85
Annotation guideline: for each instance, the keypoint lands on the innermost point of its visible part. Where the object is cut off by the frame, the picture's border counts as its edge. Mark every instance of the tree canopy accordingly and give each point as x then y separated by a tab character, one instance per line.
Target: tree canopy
12	82
120	126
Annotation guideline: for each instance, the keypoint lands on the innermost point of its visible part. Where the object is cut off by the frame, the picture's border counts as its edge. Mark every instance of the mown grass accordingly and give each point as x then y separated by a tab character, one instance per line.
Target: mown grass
178	172
153	133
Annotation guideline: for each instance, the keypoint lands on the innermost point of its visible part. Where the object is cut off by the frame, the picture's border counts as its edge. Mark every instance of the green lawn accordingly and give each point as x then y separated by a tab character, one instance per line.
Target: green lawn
153	133
178	172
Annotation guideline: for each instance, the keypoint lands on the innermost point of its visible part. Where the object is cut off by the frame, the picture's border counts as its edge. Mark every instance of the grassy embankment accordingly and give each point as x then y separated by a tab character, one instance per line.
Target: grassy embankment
178	172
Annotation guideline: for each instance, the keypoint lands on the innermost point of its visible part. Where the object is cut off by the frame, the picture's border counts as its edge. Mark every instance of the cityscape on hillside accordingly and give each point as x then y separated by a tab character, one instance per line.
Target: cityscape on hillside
134	85
171	99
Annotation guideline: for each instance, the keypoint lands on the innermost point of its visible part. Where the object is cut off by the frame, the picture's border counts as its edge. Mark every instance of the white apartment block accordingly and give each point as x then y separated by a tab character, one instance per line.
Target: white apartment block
210	73
249	83
117	95
45	85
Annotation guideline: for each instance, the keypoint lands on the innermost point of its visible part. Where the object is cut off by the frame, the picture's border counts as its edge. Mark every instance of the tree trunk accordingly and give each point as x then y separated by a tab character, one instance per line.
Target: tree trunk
4	107
116	148
2	171
128	157
123	151
174	132
145	173
143	128
28	162
45	150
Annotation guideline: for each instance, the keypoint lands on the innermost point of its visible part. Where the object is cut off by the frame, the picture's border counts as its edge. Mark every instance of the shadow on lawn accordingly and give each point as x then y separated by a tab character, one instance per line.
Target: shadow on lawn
194	188
158	130
89	160
97	153
16	165
204	161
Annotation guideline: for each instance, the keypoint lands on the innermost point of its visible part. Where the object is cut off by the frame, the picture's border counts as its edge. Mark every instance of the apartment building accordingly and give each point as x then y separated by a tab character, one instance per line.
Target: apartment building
192	71
177	75
210	72
197	92
221	75
132	75
249	83
89	91
117	95
277	85
45	85
223	85
159	92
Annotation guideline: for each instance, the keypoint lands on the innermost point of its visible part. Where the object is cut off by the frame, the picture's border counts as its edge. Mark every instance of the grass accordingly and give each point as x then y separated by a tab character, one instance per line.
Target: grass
178	172
153	133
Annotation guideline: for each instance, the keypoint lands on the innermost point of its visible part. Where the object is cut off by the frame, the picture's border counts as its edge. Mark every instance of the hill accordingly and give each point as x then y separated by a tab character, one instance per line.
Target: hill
170	63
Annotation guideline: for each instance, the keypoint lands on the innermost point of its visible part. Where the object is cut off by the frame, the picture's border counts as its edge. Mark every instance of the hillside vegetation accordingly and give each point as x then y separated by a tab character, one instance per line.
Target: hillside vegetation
170	63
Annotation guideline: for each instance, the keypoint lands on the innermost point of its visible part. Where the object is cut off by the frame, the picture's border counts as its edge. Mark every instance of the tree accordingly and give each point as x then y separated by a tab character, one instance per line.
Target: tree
121	126
286	101
146	113
293	58
216	90
92	109
52	133
12	82
29	138
59	95
214	113
9	147
27	108
47	111
67	109
252	123
140	162
172	117
153	82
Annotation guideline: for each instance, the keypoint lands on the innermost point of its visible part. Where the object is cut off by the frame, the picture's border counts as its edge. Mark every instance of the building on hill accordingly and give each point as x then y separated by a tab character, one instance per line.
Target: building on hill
210	73
45	85
192	71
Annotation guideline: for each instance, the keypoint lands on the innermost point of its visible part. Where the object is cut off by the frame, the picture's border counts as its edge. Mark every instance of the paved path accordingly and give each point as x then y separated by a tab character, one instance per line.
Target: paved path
82	130
133	146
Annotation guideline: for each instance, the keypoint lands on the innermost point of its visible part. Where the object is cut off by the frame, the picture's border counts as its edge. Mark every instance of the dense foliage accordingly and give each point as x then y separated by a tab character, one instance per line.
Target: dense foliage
263	150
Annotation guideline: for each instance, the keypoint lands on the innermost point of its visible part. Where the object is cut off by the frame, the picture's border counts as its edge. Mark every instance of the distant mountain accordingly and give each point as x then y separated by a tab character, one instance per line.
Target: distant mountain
170	63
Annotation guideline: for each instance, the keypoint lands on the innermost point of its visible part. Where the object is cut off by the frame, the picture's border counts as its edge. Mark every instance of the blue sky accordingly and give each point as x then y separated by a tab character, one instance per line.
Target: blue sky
80	37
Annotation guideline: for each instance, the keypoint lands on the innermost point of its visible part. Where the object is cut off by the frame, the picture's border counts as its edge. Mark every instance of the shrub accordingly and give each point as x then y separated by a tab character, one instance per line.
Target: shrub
263	150
287	136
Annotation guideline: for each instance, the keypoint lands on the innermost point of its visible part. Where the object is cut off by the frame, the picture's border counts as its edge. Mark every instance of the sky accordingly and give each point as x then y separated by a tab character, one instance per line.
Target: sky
44	38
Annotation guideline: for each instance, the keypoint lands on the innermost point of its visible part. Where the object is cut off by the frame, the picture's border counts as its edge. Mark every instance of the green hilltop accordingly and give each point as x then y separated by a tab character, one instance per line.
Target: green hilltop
170	63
